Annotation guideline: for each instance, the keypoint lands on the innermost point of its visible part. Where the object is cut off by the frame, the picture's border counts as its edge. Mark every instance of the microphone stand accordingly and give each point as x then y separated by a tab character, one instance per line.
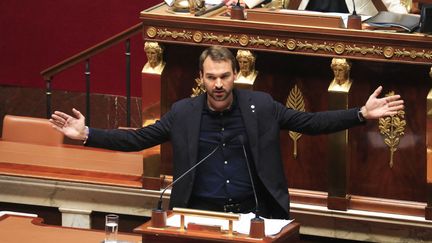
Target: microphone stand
257	226
354	20
237	11
159	215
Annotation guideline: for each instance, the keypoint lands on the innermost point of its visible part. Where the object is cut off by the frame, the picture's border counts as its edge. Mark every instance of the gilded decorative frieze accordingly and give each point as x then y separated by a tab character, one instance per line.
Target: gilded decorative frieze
315	46
151	32
413	54
292	44
388	52
339	48
186	35
392	128
197	36
374	50
244	40
220	38
267	42
295	101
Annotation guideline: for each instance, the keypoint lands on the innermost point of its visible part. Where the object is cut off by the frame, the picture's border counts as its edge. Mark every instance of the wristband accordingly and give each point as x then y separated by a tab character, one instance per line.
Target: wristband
360	116
86	135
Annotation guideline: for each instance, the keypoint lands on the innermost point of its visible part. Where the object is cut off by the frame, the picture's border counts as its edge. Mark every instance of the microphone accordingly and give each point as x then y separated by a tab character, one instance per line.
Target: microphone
354	9
354	20
158	214
237	11
257	223
241	139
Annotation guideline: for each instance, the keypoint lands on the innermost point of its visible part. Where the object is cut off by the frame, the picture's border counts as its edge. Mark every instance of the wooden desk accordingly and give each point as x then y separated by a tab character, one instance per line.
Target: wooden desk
72	163
20	229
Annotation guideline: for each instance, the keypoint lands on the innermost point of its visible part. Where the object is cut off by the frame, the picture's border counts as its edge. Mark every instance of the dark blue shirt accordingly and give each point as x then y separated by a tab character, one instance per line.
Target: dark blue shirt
224	175
327	6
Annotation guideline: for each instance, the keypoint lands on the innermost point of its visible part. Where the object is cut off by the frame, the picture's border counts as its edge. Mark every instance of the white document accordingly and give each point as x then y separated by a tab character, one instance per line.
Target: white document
272	226
252	3
213	2
210	2
169	2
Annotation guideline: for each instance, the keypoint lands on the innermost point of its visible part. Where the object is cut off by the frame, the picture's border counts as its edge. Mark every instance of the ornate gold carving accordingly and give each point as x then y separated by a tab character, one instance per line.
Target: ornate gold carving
388	52
220	38
315	46
267	42
244	40
151	32
174	34
291	44
339	48
413	54
407	4
295	101
199	88
392	128
364	50
197	36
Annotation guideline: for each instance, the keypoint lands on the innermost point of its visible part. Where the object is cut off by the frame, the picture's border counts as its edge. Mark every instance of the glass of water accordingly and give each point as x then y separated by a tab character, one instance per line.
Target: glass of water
111	228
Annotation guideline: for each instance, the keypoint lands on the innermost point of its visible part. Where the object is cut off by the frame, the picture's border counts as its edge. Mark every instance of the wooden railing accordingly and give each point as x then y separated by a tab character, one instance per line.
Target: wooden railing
49	73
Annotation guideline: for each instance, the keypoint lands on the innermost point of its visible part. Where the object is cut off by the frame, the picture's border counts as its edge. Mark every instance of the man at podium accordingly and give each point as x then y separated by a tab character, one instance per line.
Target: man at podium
234	133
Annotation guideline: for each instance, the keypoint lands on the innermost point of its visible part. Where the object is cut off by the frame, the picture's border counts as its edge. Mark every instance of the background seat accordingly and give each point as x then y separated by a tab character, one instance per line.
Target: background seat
30	130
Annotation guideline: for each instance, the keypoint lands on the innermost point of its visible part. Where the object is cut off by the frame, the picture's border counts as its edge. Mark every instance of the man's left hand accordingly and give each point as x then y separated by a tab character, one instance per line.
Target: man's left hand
379	107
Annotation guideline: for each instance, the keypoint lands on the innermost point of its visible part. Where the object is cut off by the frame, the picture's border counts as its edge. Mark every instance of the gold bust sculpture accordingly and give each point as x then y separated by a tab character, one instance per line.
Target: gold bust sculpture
155	63
247	73
341	69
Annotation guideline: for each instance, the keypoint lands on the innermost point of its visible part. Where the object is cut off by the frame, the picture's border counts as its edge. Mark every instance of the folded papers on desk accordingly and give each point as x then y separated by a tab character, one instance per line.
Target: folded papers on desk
395	21
272	226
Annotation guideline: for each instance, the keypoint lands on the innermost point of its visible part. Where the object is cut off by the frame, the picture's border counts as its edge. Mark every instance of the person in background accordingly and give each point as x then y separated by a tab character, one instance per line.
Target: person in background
363	7
227	128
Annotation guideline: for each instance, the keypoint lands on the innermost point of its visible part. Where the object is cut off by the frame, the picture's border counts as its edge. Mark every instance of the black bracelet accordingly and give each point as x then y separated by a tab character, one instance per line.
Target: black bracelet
360	116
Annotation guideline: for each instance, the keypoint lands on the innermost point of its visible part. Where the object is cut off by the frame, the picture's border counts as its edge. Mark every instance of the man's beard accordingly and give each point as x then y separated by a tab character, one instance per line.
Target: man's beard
220	94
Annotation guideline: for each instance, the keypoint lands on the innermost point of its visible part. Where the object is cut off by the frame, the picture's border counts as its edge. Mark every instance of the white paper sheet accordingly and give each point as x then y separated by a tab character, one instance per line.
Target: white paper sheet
213	1
169	2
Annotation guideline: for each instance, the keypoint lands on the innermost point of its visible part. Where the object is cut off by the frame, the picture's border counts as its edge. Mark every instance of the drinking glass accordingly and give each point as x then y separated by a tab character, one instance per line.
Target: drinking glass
111	228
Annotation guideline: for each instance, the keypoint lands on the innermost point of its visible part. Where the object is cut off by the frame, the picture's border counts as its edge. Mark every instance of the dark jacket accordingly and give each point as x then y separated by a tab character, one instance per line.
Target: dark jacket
263	119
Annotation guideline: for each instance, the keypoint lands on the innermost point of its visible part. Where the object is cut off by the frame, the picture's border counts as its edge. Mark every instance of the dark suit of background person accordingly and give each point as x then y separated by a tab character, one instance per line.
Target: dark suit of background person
181	125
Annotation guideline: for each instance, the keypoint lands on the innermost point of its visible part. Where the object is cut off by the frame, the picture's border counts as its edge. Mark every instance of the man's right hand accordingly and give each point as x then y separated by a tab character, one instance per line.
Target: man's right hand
72	127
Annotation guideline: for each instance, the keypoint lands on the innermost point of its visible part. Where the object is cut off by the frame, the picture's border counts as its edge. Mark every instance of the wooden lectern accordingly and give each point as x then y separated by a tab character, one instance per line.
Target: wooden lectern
289	233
